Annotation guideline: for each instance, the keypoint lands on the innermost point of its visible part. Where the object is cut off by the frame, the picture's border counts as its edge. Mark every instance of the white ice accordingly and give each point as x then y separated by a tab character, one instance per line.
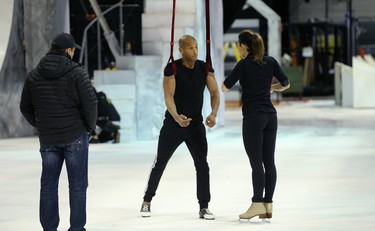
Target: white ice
325	159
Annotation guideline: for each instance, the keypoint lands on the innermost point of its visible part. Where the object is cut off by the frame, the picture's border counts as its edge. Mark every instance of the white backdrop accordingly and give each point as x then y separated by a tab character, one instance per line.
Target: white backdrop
6	13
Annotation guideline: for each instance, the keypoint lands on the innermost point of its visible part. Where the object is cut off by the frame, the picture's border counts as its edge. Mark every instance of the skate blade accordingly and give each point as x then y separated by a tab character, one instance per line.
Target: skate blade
254	222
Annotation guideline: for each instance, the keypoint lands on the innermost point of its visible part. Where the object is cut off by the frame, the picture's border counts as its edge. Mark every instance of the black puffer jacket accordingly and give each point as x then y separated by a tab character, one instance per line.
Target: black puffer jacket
59	100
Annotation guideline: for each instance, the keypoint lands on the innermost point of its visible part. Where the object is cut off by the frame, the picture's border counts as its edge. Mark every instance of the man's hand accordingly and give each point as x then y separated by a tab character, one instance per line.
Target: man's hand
211	120
182	120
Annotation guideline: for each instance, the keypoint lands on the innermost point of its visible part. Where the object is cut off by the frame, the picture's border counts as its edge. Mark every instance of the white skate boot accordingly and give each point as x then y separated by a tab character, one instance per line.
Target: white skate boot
256	209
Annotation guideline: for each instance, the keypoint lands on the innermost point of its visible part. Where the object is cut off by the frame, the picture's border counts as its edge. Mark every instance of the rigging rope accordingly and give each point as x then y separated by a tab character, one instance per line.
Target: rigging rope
208	41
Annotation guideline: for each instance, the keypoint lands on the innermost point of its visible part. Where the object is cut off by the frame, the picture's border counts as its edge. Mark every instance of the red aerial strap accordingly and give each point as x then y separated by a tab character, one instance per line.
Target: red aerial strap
171	59
208	41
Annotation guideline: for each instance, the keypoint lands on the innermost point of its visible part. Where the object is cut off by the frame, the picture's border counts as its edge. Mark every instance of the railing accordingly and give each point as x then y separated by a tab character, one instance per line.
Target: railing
84	51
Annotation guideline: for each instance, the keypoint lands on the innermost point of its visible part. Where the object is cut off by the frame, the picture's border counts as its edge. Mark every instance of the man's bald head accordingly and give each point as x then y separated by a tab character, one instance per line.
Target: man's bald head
185	40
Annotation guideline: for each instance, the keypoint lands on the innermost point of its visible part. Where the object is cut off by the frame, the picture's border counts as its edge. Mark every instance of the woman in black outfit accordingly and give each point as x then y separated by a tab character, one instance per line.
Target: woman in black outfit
255	73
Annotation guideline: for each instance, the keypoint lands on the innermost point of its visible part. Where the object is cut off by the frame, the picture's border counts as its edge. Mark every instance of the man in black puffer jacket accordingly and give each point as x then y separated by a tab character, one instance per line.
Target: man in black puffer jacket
59	100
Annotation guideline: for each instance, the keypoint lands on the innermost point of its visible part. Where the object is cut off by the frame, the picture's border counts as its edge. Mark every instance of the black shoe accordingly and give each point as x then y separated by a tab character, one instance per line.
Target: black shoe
206	214
94	141
146	210
116	137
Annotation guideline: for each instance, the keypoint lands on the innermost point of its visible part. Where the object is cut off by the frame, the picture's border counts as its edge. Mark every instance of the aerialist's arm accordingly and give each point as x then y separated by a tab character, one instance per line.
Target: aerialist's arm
215	99
169	86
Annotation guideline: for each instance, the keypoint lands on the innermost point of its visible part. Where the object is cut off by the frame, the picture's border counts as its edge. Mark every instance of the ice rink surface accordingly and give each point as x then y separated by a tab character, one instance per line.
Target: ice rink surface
325	156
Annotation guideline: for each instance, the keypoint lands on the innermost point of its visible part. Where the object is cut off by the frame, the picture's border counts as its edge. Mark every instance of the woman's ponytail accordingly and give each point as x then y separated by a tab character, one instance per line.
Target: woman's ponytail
254	43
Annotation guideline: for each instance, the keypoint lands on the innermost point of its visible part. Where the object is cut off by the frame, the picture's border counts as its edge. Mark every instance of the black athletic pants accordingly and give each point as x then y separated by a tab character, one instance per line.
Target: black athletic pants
169	139
259	138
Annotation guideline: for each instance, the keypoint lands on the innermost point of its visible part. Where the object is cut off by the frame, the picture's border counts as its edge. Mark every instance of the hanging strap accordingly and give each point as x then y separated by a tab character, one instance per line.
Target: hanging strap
208	41
171	59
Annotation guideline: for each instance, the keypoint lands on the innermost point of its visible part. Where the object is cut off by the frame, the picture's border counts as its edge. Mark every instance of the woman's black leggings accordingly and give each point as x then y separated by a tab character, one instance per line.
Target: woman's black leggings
259	138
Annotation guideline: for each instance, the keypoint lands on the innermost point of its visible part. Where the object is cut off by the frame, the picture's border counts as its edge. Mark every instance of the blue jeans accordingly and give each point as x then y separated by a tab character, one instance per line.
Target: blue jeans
75	156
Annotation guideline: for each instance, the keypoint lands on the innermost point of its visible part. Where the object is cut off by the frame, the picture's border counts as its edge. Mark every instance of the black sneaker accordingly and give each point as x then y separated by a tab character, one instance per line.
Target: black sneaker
146	210
94	141
206	214
116	137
